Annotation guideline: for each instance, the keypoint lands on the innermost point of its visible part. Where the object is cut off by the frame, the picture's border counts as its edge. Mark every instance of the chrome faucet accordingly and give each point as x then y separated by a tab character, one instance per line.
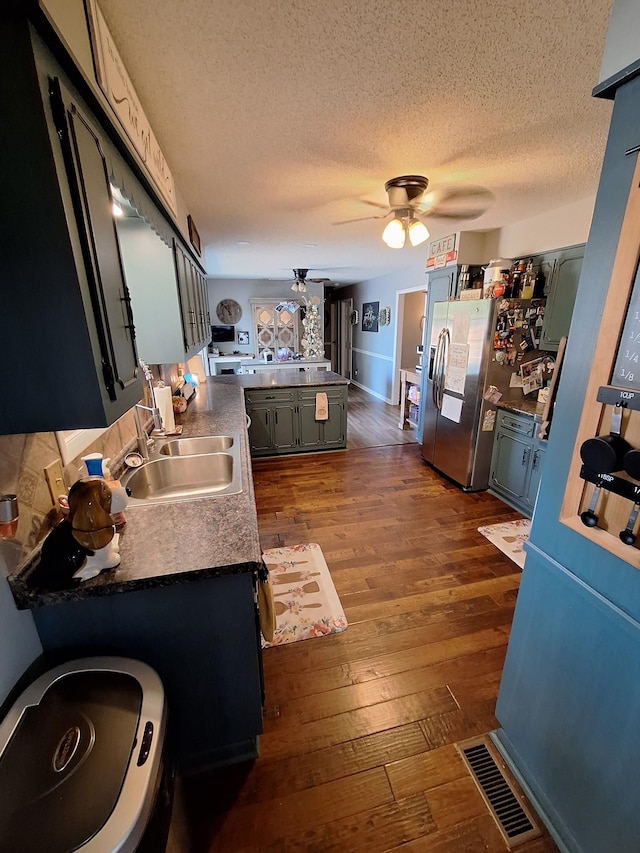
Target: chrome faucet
146	442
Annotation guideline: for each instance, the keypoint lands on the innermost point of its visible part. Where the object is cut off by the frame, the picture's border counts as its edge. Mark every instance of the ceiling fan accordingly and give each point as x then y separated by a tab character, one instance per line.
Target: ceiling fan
300	280
409	204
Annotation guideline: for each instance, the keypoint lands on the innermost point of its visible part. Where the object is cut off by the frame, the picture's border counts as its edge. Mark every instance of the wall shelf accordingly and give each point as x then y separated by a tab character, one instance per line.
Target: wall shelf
613	509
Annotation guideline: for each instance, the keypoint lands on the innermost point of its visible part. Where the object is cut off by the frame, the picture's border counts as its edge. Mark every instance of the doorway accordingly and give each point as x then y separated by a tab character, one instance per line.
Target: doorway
344	354
411	310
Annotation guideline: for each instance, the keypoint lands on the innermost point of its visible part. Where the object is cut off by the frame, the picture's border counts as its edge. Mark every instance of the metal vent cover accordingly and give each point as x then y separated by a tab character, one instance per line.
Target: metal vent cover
505	800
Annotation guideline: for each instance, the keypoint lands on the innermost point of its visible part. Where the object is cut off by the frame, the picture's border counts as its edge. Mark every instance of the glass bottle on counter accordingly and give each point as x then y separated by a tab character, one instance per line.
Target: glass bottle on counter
516	278
528	281
539	285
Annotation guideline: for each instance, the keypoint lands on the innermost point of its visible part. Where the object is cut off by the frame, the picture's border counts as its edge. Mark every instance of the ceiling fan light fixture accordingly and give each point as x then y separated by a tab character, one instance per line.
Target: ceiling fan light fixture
418	232
393	234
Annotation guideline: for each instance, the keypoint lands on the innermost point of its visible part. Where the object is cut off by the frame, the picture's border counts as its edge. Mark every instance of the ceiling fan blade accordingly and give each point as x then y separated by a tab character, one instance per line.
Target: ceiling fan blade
456	203
362	219
375	204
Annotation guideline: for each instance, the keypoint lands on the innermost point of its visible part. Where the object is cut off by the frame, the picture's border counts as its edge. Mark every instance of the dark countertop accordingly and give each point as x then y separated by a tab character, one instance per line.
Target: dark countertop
528	408
173	542
282	378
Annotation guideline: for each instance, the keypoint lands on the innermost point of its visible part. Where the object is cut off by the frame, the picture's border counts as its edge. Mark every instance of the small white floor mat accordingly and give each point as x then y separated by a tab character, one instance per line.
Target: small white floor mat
509	537
305	599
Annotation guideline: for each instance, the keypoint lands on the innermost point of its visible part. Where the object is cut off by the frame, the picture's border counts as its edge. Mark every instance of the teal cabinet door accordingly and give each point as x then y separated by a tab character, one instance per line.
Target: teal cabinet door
537	463
510	465
561	297
260	433
284	427
310	428
335	428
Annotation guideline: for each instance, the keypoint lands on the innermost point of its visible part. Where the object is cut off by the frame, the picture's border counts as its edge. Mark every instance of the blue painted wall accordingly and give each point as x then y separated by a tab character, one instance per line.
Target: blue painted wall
373	351
570	693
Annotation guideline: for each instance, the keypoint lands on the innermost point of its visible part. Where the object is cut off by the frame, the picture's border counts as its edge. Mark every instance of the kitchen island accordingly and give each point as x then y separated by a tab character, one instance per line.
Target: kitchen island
282	406
182	600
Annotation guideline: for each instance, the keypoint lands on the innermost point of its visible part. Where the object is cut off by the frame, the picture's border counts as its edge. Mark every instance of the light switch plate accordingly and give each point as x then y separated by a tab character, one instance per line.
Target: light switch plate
55	480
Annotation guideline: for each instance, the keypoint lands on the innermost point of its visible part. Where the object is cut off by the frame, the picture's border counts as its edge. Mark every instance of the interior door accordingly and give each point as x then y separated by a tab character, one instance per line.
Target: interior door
344	351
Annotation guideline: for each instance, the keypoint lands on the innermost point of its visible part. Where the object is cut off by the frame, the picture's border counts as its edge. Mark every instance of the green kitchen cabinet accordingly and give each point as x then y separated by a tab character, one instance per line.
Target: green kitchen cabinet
538	451
562	271
273	421
325	434
194	301
284	420
67	316
516	461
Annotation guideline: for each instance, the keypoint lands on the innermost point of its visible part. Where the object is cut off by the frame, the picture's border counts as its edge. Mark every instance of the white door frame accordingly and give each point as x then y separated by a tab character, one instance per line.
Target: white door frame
344	336
397	341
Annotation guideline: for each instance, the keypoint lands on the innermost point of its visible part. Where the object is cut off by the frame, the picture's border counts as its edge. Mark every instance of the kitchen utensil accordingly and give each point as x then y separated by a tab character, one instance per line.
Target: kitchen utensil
631	463
589	516
312	586
281	607
627	535
605	453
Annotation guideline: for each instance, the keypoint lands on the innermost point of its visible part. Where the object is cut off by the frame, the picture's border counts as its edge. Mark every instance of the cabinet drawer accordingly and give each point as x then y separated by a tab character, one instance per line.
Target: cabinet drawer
333	392
276	395
520	424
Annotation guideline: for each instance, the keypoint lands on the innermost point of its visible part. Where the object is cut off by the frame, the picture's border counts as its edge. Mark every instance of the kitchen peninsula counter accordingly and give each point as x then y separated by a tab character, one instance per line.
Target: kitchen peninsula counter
169	543
289	377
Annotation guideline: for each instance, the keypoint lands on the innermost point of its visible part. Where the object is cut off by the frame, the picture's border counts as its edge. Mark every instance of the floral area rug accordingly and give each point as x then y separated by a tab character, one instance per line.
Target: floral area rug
509	537
305	600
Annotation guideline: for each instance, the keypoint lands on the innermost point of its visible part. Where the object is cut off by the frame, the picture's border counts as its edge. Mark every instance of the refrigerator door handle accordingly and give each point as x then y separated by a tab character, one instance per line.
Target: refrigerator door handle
436	370
441	359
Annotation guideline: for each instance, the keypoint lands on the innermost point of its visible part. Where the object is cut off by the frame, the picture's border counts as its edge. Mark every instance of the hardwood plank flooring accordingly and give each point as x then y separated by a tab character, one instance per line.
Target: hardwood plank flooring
374	423
358	747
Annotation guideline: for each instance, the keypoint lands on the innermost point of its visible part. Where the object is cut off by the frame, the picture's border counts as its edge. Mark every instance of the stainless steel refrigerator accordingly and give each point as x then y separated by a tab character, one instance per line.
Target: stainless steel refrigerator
461	362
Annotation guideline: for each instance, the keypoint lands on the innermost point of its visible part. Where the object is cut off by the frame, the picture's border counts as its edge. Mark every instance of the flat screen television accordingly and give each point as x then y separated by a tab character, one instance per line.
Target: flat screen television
223	334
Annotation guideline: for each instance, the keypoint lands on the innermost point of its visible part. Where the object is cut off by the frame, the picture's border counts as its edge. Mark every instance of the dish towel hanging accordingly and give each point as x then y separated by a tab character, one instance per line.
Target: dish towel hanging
322	407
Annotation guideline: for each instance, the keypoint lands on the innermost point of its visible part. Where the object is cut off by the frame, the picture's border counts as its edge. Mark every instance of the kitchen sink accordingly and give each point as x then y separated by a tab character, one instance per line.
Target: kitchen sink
167	479
192	446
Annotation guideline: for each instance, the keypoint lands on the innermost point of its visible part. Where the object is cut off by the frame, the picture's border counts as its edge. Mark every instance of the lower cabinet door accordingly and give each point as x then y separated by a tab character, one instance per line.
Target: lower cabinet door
310	428
537	462
284	427
510	465
335	427
260	435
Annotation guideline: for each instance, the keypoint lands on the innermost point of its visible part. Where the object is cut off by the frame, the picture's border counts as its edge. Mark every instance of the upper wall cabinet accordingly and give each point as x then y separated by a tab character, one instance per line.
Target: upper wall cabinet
66	323
562	270
194	301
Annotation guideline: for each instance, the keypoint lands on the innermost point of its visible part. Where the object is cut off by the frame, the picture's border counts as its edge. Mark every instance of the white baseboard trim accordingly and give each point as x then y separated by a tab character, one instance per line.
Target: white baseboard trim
372	392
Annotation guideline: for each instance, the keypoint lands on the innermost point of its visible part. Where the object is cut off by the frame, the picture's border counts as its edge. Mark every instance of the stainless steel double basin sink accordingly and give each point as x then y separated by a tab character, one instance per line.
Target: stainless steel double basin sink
183	469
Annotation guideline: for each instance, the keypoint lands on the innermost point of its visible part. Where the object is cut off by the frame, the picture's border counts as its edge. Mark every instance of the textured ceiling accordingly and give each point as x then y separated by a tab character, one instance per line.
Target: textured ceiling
277	118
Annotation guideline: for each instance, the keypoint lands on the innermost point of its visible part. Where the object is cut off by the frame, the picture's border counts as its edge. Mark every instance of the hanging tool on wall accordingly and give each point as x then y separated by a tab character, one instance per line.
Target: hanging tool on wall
627	535
589	516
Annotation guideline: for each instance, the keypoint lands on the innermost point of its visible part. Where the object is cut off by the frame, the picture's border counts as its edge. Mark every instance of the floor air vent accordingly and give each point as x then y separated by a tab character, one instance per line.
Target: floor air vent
504	798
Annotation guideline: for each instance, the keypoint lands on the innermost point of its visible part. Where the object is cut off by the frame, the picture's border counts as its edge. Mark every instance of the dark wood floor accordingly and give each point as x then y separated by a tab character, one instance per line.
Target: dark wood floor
358	747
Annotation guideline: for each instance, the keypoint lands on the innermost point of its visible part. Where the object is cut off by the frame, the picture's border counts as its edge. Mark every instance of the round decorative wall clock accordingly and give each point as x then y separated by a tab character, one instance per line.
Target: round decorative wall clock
228	311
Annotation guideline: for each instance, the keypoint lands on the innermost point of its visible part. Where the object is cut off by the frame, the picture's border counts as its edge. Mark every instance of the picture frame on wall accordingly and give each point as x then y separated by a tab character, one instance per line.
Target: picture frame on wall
370	311
243	338
194	237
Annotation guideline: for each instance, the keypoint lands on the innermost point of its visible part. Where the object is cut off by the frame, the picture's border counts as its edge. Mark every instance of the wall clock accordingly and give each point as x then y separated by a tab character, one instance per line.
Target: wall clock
228	311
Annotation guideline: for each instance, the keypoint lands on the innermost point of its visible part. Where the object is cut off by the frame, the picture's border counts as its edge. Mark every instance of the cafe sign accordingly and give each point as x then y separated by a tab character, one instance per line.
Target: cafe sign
442	252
